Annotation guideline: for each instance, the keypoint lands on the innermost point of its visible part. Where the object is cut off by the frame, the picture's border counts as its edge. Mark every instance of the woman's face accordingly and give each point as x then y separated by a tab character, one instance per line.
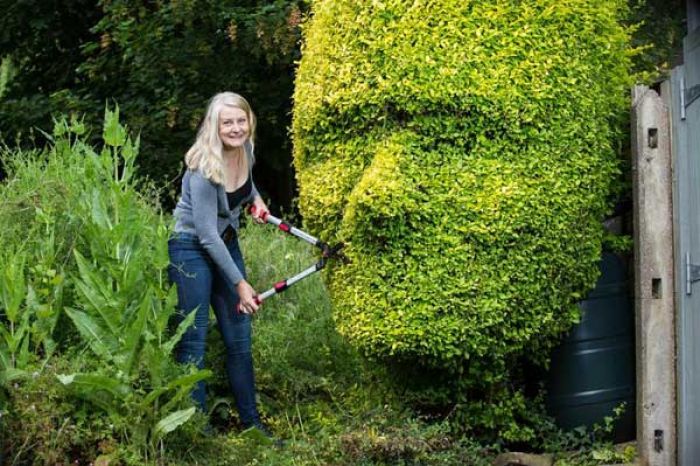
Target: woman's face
234	127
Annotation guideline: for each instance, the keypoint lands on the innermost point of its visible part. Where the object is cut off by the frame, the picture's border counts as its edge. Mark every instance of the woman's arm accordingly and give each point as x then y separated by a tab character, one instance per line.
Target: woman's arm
205	212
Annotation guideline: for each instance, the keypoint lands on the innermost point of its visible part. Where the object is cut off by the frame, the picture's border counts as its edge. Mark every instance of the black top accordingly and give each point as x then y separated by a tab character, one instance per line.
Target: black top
237	196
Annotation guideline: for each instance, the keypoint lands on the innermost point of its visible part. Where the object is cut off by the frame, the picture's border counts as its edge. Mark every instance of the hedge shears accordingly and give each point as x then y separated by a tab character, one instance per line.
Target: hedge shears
327	252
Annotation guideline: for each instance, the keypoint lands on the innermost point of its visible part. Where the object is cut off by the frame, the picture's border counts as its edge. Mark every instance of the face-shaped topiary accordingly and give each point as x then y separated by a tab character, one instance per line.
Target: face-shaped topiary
465	151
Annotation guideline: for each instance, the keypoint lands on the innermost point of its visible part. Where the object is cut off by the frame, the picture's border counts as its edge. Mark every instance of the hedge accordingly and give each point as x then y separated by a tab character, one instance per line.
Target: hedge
466	152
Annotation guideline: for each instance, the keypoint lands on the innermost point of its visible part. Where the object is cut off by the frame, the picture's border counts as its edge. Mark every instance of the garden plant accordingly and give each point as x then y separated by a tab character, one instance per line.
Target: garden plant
467	153
86	365
464	151
85	259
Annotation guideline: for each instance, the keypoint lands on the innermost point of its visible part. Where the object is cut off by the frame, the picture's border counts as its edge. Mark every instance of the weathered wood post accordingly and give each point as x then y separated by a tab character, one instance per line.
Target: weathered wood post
654	286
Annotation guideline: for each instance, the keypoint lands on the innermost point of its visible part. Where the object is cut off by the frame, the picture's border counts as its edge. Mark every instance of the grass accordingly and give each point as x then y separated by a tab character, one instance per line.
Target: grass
316	392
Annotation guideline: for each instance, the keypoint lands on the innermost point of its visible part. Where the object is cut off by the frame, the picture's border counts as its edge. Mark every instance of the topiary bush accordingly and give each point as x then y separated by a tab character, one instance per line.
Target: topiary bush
465	151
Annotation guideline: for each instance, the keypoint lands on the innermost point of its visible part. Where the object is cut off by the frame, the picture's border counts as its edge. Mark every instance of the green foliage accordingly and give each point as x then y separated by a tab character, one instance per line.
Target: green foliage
123	307
295	365
94	252
6	75
299	356
161	61
620	244
465	152
44	426
659	32
315	391
172	57
586	447
31	294
42	43
14	352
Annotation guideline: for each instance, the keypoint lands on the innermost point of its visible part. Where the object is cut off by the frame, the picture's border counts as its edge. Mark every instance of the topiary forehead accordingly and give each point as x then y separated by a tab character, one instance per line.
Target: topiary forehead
516	60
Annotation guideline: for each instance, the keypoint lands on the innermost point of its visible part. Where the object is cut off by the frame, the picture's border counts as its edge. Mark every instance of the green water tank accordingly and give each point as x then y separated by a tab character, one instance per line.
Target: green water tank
593	369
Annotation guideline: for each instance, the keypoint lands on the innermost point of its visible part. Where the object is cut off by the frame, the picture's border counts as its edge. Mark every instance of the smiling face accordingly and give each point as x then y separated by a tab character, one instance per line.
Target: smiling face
234	127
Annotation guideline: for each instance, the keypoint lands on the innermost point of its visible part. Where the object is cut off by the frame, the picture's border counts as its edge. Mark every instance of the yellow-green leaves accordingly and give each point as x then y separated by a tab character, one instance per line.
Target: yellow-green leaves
464	150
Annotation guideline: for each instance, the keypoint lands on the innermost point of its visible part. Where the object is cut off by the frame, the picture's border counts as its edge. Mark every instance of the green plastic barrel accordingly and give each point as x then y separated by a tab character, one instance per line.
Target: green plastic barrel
593	369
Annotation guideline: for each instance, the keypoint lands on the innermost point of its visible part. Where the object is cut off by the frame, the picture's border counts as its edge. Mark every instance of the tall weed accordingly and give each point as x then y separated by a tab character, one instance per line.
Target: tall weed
85	258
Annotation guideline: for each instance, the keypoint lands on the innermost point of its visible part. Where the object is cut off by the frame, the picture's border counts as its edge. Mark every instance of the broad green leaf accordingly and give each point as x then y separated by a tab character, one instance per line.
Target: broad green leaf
18	339
7	337
114	133
186	381
107	393
100	340
181	329
98	293
104	164
152	396
163	310
11	374
173	421
102	391
128	153
4	358
99	213
24	354
183	386
96	382
13	286
190	380
134	332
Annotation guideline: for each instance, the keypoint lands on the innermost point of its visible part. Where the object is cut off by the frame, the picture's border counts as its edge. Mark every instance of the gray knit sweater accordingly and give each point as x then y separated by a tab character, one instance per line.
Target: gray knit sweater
203	210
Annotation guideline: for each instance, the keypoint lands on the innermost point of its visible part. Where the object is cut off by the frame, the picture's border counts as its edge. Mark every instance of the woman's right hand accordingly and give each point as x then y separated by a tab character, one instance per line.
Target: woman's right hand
246	294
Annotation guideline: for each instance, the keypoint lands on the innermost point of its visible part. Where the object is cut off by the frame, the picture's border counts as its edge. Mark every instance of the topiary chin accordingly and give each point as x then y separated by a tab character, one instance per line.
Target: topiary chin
466	152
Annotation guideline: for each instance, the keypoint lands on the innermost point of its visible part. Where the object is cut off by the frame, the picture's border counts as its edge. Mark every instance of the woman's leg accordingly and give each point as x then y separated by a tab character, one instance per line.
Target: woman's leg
236	332
191	271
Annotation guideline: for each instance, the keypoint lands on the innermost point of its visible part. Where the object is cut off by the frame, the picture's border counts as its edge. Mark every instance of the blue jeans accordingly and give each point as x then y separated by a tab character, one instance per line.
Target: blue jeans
199	285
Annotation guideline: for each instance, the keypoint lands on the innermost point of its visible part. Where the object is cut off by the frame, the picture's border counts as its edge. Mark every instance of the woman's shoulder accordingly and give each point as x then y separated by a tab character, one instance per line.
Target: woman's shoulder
196	176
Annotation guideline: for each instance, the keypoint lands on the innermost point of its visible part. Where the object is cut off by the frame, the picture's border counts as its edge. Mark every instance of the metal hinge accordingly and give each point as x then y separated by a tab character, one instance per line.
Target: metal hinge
691	95
682	95
688	96
692	274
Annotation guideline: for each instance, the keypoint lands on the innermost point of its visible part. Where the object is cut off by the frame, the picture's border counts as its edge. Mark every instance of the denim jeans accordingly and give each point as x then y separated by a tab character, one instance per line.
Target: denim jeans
199	285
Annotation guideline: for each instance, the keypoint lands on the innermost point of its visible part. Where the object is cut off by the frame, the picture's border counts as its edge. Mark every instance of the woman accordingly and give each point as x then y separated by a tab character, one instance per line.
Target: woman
205	260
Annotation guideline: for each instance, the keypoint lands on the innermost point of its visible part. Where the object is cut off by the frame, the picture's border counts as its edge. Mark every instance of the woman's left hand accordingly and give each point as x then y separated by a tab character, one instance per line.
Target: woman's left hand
260	211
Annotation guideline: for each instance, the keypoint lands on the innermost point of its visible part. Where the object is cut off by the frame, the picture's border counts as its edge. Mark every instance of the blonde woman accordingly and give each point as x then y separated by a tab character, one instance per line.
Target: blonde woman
206	263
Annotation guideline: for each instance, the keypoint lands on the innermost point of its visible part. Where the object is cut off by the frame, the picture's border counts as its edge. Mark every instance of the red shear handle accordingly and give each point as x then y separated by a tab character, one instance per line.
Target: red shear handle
252	209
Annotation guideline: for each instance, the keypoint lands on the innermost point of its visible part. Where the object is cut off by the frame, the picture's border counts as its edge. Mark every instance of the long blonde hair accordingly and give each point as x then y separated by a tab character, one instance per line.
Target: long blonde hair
206	154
